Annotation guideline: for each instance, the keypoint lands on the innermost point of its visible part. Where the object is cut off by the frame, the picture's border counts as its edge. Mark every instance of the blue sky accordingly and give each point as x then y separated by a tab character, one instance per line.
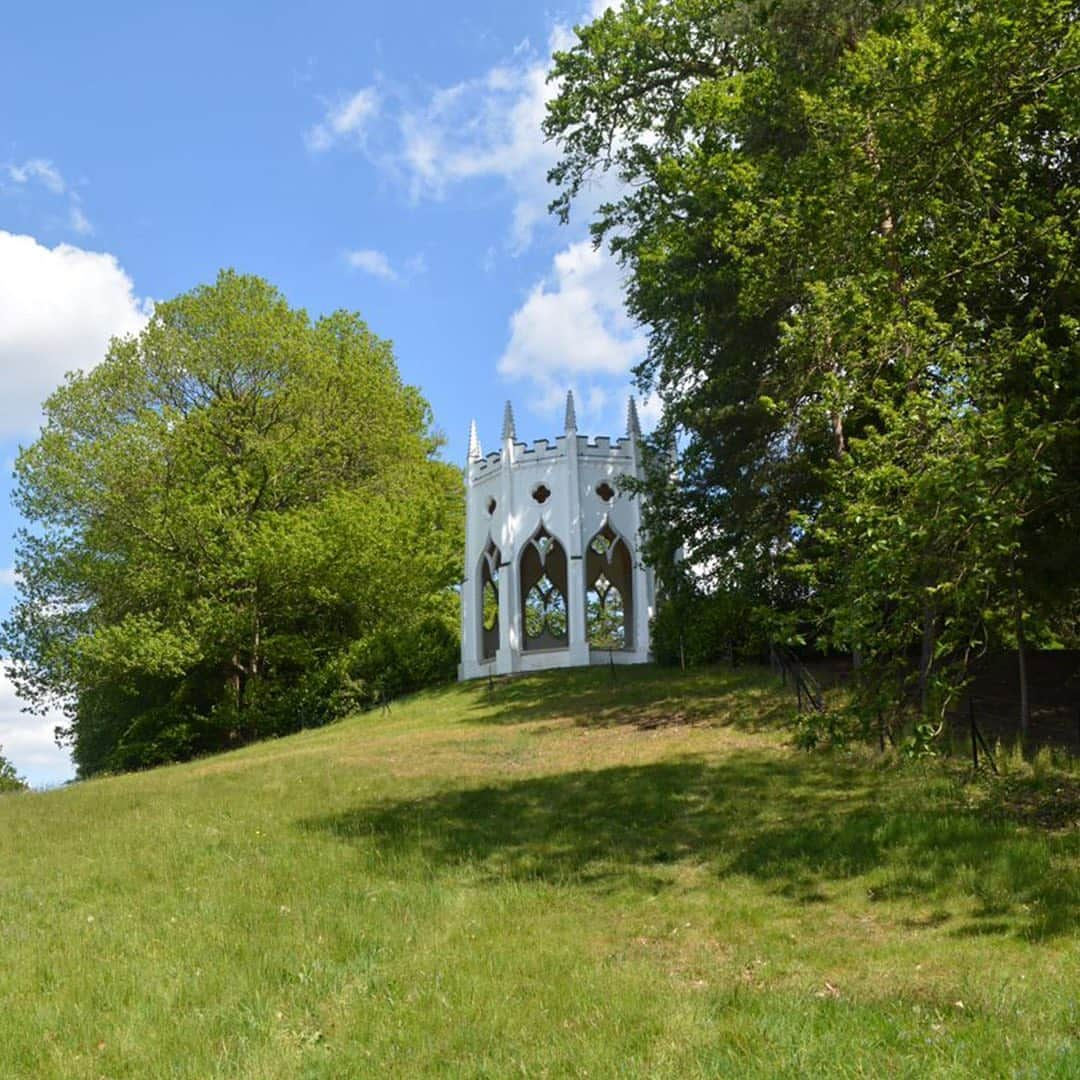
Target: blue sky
384	158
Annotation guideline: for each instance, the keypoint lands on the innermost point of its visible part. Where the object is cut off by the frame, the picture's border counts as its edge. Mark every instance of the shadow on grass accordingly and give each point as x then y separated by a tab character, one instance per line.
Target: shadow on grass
645	697
795	824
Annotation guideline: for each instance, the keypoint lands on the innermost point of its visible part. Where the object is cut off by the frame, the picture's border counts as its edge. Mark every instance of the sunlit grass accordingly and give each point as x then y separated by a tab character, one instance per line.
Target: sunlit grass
563	875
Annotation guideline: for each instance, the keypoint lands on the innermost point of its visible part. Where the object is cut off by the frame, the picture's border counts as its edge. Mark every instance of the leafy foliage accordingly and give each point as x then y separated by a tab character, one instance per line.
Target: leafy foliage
10	780
220	510
693	628
851	227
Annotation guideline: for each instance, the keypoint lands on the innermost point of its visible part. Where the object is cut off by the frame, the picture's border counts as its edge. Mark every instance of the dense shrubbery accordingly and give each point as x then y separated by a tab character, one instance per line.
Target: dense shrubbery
697	628
390	663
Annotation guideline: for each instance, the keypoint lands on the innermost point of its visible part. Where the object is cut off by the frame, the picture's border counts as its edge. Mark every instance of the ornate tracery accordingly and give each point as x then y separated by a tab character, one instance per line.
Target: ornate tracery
544	592
609	618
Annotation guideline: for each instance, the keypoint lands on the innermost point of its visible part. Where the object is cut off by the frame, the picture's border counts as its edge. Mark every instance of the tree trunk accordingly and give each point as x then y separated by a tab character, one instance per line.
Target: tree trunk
1021	655
839	442
926	657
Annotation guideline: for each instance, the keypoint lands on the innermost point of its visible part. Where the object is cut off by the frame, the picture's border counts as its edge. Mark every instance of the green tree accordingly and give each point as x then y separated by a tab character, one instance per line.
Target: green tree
217	512
10	780
851	228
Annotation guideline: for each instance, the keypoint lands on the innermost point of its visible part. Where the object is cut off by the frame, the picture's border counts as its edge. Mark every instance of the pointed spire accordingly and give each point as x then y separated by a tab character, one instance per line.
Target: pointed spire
633	425
475	453
508	424
571	414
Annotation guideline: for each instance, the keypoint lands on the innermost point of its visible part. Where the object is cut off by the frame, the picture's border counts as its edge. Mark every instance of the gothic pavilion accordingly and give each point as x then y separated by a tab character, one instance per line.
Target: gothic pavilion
553	577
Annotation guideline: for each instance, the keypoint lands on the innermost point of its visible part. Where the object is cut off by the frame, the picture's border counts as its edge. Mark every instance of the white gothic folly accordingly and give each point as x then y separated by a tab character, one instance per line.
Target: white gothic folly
553	573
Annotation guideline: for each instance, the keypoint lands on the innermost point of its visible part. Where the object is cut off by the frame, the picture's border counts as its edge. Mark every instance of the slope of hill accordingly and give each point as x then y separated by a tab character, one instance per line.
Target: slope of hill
562	876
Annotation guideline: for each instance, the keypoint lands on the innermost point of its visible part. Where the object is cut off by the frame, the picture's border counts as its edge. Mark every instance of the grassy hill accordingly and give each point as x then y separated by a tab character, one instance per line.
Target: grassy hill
563	877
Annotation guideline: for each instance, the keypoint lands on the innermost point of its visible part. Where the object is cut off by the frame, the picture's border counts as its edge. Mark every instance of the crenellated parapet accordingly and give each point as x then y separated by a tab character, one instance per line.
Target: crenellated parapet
600	449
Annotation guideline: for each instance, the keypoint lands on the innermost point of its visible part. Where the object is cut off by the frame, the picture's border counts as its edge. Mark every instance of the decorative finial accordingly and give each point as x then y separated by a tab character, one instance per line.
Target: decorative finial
633	425
475	453
571	415
508	424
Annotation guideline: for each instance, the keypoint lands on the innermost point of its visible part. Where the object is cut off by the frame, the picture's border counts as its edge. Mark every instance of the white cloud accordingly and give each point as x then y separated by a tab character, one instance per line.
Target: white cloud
488	127
483	128
372	262
79	221
378	264
37	169
573	329
346	119
27	741
8	577
44	172
58	308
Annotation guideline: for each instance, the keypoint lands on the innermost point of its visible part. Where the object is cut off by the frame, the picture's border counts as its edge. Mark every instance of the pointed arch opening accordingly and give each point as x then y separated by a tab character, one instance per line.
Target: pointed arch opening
609	595
488	600
543	572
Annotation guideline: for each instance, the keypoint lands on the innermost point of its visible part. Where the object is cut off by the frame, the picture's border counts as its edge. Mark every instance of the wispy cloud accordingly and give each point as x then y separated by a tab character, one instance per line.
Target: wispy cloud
40	170
346	119
372	262
487	127
378	264
78	220
43	172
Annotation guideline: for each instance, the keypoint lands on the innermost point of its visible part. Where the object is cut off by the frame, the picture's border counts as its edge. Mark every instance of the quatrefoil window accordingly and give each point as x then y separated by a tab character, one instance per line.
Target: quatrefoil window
541	493
602	543
491	504
605	491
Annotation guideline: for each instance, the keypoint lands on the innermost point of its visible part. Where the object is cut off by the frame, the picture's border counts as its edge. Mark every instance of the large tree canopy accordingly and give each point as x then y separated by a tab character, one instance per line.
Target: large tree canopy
851	229
218	513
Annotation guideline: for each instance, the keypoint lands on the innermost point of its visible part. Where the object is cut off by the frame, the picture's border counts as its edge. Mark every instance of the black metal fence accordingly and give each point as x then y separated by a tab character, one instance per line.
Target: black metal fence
788	667
989	712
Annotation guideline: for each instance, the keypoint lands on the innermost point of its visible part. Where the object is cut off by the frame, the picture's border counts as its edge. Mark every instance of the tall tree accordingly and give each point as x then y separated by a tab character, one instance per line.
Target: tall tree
851	228
218	510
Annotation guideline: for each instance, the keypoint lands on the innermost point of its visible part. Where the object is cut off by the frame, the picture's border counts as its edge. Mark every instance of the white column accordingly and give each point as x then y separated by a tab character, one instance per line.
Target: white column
508	657
643	592
643	600
575	567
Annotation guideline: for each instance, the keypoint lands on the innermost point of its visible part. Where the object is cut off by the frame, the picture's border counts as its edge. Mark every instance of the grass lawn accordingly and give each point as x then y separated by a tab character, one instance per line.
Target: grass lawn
559	878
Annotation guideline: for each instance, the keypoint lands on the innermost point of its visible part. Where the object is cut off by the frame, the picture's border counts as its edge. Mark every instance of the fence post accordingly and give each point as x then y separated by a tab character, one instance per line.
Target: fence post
798	690
881	731
974	743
